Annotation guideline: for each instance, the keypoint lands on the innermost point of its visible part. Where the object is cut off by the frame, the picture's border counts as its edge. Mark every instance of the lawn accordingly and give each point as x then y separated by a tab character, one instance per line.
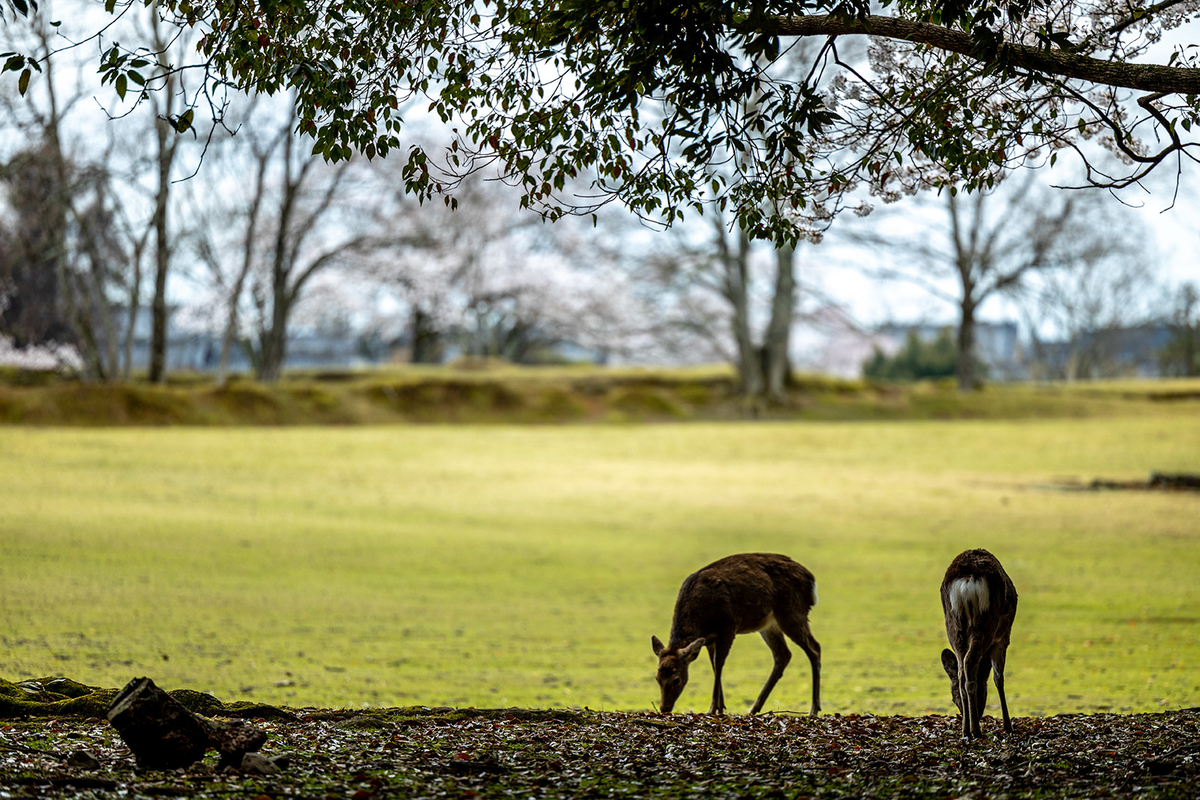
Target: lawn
528	566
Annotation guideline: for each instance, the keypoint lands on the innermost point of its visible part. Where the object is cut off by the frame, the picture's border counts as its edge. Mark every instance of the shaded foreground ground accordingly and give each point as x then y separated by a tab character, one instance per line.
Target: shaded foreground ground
421	752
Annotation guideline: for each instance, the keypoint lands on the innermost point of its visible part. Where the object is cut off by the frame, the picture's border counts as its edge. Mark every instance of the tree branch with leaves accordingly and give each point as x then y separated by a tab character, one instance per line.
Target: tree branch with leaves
681	106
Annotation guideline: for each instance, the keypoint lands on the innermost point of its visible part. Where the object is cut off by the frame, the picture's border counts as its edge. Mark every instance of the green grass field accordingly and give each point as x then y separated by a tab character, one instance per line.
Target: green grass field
506	565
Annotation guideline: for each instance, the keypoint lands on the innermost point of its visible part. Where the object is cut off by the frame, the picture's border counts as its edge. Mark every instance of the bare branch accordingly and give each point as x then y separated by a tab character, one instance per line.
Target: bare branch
1142	77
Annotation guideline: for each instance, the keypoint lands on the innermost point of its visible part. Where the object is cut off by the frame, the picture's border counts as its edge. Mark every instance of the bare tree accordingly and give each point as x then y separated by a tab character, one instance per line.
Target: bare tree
227	232
107	196
164	105
74	235
274	218
1102	286
755	292
987	245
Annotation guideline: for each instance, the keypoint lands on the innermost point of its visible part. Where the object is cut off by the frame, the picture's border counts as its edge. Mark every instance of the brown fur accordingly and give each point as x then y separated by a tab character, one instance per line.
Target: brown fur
752	592
980	642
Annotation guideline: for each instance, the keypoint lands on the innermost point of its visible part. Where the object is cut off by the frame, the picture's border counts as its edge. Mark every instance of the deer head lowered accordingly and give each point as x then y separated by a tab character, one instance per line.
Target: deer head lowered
752	592
979	603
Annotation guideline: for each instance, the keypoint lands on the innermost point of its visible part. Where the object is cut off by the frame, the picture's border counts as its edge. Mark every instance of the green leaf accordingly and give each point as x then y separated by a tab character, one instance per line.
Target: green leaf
23	82
122	84
184	121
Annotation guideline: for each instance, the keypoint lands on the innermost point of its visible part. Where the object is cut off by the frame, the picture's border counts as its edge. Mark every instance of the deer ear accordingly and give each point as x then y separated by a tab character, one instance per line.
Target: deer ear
950	664
657	645
690	652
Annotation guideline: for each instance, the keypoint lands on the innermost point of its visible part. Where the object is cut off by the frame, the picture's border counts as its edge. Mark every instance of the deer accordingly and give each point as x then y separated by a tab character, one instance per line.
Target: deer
760	593
979	602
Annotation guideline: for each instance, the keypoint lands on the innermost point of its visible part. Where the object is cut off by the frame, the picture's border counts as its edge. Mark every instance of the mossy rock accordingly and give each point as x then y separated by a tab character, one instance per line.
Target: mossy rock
65	687
45	690
244	709
365	721
63	697
198	702
53	697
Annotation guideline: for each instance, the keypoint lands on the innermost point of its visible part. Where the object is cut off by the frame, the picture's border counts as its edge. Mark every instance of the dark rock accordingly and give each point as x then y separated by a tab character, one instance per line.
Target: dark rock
82	759
1160	766
161	733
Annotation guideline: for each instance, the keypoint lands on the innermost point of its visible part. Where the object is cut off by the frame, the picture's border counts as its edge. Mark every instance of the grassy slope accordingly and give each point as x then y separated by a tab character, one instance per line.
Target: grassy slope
507	394
505	565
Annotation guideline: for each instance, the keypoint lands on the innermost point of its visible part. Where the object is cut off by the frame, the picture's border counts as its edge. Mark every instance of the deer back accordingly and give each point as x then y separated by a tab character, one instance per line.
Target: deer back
979	601
739	594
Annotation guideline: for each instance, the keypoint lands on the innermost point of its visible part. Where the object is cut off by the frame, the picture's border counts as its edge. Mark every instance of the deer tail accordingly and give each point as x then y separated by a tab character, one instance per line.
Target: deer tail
969	597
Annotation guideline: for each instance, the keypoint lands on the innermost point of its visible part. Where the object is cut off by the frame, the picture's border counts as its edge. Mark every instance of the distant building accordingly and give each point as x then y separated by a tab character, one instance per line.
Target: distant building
1132	352
200	351
832	344
997	344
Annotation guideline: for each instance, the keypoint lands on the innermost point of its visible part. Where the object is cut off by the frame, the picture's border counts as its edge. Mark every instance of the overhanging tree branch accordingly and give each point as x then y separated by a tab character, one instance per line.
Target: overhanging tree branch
1058	63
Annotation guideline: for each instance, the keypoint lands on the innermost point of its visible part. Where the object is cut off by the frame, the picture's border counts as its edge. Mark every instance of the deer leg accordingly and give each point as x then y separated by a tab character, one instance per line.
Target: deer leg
796	626
774	639
717	653
982	687
967	700
998	654
969	674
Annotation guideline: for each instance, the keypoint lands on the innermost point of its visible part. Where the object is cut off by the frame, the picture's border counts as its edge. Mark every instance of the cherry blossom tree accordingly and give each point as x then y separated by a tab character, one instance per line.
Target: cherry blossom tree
495	280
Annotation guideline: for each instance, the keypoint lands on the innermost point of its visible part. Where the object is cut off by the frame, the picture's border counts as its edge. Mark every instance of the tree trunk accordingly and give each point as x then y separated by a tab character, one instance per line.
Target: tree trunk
135	296
168	145
158	306
968	372
749	363
231	322
426	342
274	342
777	363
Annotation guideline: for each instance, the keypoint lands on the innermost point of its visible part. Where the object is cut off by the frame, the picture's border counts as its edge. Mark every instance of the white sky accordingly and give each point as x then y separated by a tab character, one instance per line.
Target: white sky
1172	237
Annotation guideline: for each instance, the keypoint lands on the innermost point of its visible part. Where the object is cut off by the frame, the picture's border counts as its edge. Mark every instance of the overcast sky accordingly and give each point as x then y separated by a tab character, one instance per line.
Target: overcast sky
1172	239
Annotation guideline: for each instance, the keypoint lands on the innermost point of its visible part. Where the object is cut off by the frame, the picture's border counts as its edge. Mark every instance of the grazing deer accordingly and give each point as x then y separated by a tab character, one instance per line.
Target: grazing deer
980	604
753	592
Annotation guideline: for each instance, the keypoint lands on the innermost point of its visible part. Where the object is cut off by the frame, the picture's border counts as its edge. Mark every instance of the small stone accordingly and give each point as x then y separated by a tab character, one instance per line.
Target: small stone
82	759
1160	766
258	764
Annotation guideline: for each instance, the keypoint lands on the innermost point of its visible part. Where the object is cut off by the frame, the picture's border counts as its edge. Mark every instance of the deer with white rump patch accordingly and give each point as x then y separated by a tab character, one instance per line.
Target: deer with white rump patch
980	603
749	593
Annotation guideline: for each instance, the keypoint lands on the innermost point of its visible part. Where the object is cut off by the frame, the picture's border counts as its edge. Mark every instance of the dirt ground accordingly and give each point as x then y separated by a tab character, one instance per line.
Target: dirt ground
420	752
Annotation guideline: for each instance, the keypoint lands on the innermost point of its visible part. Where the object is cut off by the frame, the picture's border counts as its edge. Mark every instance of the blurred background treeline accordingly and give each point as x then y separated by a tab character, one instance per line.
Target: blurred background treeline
230	255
